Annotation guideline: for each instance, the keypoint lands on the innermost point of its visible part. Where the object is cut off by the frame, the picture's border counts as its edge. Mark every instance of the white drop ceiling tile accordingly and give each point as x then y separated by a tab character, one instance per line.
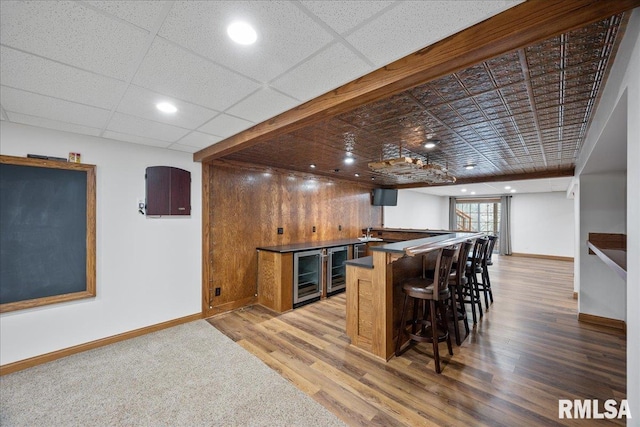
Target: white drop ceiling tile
135	139
172	70
35	74
131	125
225	126
328	70
416	24
286	35
262	105
144	14
19	101
185	148
51	124
199	140
344	15
142	102
59	31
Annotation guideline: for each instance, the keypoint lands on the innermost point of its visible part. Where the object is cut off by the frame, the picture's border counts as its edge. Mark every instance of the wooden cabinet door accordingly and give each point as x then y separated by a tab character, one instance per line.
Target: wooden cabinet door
168	191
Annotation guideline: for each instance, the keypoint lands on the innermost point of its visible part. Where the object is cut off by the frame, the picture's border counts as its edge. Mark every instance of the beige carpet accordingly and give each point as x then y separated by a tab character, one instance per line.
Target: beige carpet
189	375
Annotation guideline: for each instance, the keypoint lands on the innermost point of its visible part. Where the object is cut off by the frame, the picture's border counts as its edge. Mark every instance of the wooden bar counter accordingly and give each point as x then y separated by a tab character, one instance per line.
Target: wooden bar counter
373	294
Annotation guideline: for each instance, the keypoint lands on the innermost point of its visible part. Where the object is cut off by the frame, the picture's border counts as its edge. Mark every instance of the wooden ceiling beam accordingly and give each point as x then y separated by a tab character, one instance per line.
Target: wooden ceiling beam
515	28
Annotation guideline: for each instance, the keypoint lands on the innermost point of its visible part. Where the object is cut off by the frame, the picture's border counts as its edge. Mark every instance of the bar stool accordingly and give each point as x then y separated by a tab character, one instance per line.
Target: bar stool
492	243
457	283
485	285
474	267
436	292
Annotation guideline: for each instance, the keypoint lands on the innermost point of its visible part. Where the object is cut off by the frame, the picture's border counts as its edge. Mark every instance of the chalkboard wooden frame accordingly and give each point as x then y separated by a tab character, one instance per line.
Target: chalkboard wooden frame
90	290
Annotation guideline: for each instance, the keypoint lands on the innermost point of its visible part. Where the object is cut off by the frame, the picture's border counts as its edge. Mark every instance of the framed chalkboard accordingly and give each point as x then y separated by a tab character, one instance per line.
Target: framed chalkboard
47	232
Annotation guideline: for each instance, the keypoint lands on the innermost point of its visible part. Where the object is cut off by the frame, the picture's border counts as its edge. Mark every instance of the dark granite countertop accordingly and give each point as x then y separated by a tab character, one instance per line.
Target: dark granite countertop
426	243
307	246
364	262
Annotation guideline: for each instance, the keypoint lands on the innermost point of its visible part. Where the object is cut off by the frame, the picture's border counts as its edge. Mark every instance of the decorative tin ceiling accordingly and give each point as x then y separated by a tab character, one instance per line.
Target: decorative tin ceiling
525	112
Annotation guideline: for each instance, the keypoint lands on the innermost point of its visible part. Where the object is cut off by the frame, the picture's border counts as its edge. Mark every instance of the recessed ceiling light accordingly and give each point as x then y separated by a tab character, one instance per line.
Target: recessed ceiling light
349	160
513	191
357	174
473	192
242	33
166	107
312	166
464	190
507	187
470	166
431	143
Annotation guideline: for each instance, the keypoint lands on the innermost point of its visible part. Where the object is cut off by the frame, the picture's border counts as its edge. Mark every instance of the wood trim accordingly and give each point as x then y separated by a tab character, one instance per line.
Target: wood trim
515	28
603	321
232	306
58	354
206	240
552	257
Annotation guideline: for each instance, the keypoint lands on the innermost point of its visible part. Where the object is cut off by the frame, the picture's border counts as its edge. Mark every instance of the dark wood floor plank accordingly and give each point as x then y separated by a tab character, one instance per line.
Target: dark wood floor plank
527	352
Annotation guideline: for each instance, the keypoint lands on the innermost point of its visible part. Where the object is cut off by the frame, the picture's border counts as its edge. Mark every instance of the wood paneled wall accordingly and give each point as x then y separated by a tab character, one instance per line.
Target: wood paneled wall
246	206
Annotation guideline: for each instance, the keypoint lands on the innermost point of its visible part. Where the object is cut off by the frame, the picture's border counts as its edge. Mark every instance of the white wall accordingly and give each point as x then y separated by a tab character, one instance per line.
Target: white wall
623	79
418	210
542	224
602	210
148	270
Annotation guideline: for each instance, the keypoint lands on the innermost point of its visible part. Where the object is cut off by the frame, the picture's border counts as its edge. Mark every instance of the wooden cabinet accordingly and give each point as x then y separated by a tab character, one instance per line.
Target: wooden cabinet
275	280
168	191
280	273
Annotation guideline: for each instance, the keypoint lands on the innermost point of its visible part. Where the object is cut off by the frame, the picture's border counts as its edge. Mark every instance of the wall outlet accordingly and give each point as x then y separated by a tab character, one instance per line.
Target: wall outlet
217	292
280	230
314	228
339	228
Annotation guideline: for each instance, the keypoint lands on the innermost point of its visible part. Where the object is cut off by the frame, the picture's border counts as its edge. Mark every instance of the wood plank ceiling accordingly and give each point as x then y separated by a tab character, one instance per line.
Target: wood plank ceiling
523	113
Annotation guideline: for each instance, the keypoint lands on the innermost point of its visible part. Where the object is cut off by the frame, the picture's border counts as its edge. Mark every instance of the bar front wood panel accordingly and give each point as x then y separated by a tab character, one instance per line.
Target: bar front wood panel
359	300
247	204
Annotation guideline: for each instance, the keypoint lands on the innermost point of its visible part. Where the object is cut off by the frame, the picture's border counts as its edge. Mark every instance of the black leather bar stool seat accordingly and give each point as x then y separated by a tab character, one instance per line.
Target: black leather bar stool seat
428	323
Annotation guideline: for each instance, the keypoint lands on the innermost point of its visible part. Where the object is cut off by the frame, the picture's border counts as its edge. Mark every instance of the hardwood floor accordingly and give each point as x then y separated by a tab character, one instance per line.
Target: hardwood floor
527	352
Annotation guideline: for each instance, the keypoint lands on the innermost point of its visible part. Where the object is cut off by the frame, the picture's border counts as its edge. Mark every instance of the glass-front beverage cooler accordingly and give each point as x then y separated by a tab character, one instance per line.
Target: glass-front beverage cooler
336	274
307	277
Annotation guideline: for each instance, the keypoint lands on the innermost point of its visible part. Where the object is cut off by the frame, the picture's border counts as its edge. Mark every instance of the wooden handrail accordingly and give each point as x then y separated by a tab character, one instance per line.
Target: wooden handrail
466	220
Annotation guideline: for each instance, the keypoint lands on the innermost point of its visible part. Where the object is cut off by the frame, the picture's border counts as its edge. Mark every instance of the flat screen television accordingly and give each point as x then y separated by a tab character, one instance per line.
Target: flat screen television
385	197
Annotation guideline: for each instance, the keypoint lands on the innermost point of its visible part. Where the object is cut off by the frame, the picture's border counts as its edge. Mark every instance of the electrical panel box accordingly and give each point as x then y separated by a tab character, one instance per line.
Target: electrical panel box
168	191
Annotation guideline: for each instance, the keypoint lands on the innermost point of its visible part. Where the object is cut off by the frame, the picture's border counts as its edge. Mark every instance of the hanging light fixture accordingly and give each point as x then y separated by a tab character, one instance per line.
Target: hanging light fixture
413	169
